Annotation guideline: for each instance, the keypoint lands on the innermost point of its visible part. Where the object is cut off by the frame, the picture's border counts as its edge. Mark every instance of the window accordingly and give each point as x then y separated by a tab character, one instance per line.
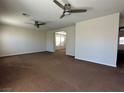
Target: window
121	41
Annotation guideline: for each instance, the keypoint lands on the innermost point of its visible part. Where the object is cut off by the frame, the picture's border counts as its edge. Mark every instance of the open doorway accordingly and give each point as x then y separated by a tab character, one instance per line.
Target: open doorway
60	41
120	61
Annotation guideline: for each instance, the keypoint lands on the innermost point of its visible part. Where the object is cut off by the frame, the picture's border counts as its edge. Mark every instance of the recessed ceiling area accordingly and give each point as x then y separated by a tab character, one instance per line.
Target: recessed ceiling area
46	11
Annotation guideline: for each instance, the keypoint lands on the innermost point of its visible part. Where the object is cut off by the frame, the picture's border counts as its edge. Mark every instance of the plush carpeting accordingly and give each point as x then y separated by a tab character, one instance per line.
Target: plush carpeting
57	72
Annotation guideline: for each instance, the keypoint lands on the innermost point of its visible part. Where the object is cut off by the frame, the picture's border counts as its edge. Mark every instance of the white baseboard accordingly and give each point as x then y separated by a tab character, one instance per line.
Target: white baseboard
15	54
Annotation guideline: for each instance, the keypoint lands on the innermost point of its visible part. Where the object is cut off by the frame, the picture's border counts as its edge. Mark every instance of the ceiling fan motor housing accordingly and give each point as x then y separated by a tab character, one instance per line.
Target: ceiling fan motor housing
67	7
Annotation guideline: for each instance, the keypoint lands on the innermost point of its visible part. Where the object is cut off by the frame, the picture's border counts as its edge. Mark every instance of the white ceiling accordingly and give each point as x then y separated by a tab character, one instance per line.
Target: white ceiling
45	10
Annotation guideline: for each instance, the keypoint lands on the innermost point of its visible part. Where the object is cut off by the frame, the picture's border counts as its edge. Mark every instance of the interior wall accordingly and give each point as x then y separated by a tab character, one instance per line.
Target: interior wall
70	40
15	40
50	41
97	40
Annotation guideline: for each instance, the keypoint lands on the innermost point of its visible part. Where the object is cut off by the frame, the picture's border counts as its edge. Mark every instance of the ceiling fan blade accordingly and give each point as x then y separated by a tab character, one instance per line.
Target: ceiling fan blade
59	4
78	10
38	26
42	24
62	16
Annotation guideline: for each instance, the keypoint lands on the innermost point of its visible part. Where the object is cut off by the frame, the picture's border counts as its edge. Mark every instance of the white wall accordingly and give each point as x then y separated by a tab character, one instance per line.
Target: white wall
97	40
14	40
50	41
70	40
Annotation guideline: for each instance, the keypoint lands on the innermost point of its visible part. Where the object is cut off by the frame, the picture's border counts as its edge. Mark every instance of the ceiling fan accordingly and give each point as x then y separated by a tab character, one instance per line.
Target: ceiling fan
68	9
37	23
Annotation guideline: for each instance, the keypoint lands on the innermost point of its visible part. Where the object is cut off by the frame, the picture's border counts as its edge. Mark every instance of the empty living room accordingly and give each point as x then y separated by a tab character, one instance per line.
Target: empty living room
61	45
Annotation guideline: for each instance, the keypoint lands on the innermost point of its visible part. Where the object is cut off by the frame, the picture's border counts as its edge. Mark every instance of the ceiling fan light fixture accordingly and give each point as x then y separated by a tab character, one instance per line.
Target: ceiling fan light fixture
67	13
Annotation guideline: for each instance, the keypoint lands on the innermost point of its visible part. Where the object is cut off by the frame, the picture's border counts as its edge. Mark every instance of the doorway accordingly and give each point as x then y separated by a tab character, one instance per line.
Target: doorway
120	57
60	41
